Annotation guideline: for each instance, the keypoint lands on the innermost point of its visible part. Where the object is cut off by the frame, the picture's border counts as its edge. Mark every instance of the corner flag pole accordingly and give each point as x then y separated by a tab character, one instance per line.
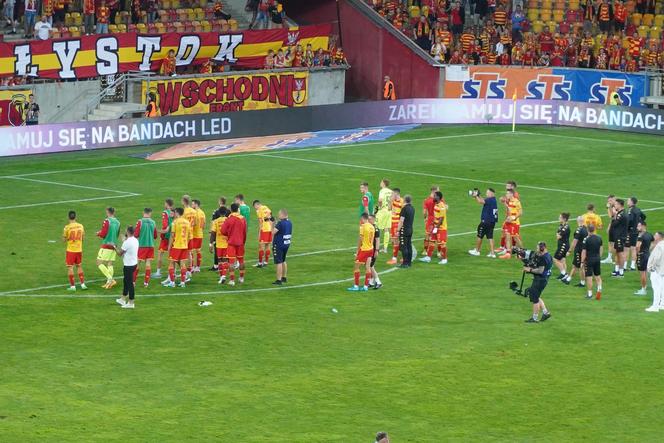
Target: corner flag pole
514	112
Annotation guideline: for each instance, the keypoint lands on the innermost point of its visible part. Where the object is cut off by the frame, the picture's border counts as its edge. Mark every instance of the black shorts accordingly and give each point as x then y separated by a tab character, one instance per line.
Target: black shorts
612	236
593	268
576	261
619	244
279	254
642	261
561	251
485	229
373	260
631	239
536	289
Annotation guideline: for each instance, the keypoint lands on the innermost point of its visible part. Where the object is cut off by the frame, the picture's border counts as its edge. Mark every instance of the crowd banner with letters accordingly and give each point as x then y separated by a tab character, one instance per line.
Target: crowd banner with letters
100	55
12	107
229	93
569	84
174	129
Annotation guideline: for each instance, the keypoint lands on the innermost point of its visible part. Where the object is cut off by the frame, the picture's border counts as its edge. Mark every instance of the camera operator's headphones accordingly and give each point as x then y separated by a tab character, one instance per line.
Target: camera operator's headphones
541	246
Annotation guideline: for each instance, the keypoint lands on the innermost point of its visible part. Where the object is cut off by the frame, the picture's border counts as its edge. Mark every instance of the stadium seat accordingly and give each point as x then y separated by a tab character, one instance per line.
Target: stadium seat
191	14
197	26
188	27
533	4
166	4
175	4
131	27
113	29
172	16
647	19
625	42
532	14
199	14
74	31
546	4
655	32
636	19
152	28
643	31
179	27
159	28
538	25
202	3
545	15
141	28
68	19
207	27
573	5
559	5
76	18
414	11
55	33
659	20
64	33
552	25
122	28
558	15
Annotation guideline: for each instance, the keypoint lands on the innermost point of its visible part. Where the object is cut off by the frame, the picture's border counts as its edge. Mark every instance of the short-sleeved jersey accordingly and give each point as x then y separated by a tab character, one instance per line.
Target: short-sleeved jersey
367	203
563	231
513	210
397	204
428	206
384	197
200	223
619	224
592	245
181	232
367	232
190	216
245	212
634	217
490	210
221	239
73	234
580	235
440	215
284	235
646	239
264	215
590	218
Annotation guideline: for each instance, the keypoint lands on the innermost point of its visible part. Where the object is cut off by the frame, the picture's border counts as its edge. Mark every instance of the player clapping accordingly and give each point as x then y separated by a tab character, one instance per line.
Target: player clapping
219	242
73	236
365	250
146	233
265	220
191	216
178	248
198	231
438	230
644	243
374	281
562	236
512	224
164	233
109	232
235	230
396	203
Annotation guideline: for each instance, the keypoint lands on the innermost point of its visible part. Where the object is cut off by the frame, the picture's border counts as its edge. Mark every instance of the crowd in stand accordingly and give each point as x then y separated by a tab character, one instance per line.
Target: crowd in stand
601	34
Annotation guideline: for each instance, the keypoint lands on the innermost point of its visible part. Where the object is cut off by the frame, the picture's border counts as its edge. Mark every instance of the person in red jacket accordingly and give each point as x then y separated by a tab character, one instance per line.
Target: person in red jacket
235	229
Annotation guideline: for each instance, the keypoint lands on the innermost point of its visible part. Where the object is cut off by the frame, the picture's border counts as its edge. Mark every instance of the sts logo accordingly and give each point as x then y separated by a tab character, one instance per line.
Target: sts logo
549	87
484	85
600	92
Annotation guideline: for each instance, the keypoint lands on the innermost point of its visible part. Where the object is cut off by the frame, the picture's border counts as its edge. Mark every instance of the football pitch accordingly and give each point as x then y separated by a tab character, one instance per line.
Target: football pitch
440	353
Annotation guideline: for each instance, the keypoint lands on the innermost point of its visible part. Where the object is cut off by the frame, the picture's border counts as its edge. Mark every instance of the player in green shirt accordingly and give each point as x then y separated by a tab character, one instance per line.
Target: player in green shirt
165	233
146	232
245	210
109	232
367	200
383	215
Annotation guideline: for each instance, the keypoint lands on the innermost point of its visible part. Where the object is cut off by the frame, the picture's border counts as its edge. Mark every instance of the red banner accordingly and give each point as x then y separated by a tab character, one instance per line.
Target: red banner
99	55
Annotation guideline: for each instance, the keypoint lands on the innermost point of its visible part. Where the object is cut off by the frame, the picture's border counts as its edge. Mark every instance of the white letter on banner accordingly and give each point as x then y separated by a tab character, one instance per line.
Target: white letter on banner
227	45
23	62
107	56
147	45
188	49
66	52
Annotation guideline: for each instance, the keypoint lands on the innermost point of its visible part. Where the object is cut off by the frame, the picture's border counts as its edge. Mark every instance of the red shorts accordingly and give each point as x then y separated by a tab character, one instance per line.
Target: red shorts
73	258
178	254
394	230
163	245
197	243
428	225
265	237
235	251
440	236
363	256
190	245
222	252
511	229
145	253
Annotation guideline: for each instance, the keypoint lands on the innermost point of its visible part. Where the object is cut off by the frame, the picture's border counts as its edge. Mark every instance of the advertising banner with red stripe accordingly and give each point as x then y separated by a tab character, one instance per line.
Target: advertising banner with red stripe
99	55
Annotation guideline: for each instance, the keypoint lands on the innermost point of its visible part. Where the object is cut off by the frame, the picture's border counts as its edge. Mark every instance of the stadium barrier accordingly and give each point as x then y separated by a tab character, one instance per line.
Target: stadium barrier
174	129
569	84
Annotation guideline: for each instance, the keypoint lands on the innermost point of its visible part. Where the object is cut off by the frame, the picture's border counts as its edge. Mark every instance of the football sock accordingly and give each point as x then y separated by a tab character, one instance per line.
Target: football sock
535	317
546	311
224	268
183	274
148	273
71	279
135	274
356	275
443	251
430	250
171	274
371	282
241	261
367	277
590	293
260	256
110	272
633	264
378	282
616	268
395	251
81	277
599	288
199	259
104	270
231	266
267	255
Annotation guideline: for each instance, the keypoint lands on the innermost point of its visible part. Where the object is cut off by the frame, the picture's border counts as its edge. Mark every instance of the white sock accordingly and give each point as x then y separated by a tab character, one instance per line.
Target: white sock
609	256
616	268
633	264
371	282
590	293
378	282
599	288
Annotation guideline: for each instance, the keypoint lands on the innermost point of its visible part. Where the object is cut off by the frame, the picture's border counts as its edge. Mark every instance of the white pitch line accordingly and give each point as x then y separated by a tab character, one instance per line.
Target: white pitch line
71	185
31	205
425	174
599	140
179	294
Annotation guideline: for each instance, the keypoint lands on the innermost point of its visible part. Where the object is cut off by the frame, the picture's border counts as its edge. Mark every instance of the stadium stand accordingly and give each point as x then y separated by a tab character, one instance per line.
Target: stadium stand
617	35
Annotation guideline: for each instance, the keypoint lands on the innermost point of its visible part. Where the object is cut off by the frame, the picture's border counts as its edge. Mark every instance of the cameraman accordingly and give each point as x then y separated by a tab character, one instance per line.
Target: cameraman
541	269
488	220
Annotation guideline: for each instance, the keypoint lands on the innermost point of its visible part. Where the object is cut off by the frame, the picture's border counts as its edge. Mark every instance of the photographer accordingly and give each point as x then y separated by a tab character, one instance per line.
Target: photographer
540	266
488	220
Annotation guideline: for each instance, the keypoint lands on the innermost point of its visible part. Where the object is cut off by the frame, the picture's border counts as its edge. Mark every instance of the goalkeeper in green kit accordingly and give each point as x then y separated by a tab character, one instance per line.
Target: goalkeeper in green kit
383	214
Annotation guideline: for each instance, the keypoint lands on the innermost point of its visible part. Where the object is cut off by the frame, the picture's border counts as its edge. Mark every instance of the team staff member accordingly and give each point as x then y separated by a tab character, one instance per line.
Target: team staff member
215	215
73	236
109	232
562	236
383	213
577	246
164	233
395	210
591	257
178	248
282	233
620	227
265	220
643	245
656	269
488	221
541	273
374	281
388	89
219	242
634	217
235	230
365	250
146	233
198	233
405	228
151	109
129	253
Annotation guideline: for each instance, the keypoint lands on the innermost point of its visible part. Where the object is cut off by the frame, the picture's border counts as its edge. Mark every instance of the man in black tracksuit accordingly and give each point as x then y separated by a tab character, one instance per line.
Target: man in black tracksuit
405	229
634	217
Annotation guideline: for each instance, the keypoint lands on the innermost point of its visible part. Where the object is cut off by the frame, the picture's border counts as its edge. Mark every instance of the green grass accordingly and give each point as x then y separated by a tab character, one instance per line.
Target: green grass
438	354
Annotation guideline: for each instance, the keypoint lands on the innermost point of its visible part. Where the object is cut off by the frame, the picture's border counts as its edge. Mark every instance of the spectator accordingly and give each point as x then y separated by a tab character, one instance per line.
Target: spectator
252	6
277	14
89	16
151	110
389	92
518	17
152	9
280	59
43	29
59	10
457	19
30	17
47	10
168	65
103	14
262	19
114	7
8	12
604	16
269	59
31	111
423	33
309	56
219	11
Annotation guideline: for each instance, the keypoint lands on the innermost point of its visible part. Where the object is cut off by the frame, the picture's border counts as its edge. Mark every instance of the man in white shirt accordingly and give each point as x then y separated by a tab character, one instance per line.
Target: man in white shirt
656	269
129	253
43	29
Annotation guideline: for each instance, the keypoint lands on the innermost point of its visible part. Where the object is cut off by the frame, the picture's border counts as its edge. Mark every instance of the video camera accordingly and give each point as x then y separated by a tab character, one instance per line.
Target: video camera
527	256
474	193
